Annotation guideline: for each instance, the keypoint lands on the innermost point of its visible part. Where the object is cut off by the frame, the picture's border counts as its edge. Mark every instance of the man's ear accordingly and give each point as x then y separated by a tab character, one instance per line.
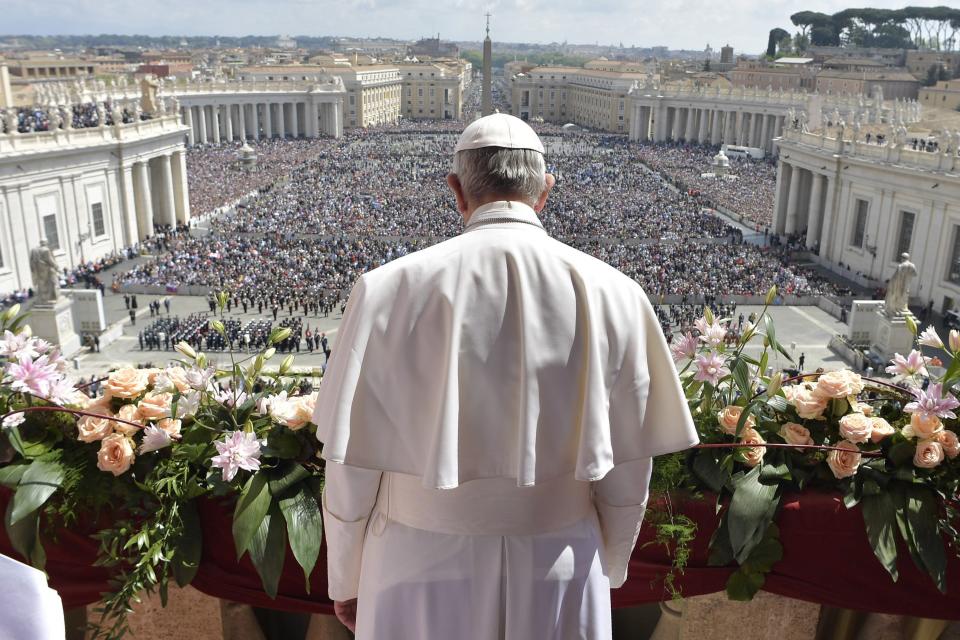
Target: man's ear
542	200
454	183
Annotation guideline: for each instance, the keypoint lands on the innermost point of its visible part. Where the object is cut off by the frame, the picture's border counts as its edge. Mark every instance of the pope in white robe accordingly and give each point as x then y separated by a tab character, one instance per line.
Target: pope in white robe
488	418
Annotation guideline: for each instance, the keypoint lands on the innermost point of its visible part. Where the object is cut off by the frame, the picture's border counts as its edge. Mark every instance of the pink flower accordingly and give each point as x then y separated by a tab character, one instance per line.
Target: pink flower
856	427
14	420
932	403
710	368
951	445
912	365
794	433
154	438
713	334
844	463
239	450
881	429
929	454
684	348
929	338
61	391
753	455
32	376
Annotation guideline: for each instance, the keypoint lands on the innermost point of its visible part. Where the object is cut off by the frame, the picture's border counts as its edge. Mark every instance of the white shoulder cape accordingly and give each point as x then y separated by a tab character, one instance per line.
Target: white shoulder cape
499	353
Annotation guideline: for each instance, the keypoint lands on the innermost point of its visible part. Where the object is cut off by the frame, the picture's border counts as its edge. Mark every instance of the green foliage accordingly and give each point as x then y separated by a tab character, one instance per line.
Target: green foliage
498	60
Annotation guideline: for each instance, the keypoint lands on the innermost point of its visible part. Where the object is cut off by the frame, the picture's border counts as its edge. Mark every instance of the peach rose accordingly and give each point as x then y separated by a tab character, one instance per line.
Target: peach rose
856	427
838	384
729	418
929	454
288	413
91	429
79	399
178	376
807	405
881	429
155	406
115	455
923	427
948	440
152	374
845	463
126	383
171	426
127	412
794	433
753	455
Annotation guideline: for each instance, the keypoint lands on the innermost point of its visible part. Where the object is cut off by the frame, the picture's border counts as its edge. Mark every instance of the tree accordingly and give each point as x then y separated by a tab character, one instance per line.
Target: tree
706	65
933	73
775	38
825	36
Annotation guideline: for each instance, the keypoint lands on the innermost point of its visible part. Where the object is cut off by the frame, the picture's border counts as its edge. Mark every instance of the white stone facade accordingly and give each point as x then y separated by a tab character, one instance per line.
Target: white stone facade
862	205
88	192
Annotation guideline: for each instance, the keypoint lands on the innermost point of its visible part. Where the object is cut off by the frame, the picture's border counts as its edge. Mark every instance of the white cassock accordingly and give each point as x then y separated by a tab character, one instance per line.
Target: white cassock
30	609
489	415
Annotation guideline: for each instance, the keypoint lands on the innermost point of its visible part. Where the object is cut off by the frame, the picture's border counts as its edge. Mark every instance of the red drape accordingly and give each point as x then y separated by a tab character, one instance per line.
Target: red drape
827	560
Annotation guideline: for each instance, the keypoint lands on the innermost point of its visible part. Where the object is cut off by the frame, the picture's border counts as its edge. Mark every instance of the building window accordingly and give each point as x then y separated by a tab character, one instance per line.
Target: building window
51	232
96	213
905	237
954	274
860	224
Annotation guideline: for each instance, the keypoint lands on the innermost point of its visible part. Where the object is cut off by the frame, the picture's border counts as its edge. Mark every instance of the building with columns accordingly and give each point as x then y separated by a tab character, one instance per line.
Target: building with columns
859	206
88	192
222	112
749	117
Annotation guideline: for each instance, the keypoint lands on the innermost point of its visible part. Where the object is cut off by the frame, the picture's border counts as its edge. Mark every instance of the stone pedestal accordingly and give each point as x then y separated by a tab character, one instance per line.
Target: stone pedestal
54	323
892	335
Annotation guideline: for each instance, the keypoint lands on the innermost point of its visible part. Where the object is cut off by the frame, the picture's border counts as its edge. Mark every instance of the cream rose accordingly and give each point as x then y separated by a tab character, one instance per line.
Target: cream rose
115	455
753	455
178	376
948	440
730	417
838	384
155	406
127	412
79	399
845	463
152	374
288	413
929	454
794	433
856	427
923	427
881	429
126	383
171	426
90	429
807	405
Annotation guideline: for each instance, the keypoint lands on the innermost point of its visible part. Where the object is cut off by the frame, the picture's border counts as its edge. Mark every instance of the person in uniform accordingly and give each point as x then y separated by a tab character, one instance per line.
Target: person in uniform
488	418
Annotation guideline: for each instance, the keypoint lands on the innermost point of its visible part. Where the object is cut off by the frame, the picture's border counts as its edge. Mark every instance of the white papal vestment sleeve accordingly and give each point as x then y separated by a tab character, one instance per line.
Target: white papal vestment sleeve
349	496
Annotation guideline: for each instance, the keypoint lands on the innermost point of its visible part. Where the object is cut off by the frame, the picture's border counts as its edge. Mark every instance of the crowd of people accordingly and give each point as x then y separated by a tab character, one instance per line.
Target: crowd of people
77	116
748	190
326	211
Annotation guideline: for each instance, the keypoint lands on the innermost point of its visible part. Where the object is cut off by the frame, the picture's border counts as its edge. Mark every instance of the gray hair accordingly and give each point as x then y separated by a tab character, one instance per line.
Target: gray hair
498	171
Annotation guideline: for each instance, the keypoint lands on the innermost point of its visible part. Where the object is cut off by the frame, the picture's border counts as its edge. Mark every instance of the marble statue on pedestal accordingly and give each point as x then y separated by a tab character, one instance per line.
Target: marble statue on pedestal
45	273
898	289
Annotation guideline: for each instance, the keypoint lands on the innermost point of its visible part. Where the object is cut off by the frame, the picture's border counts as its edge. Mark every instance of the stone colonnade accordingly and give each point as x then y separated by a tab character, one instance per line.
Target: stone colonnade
804	203
708	124
238	116
154	192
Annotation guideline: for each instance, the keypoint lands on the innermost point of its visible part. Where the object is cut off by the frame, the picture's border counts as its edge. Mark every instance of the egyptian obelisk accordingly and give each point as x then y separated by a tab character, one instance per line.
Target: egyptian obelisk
486	100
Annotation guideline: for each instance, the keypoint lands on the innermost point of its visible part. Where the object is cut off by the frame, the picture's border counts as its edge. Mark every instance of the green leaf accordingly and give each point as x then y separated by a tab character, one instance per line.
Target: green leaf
922	518
742	586
186	559
778	403
25	536
902	454
11	474
251	509
879	518
40	442
720	552
770	330
741	375
767	553
282	443
304	528
751	512
39	482
773	473
286	476
268	549
708	469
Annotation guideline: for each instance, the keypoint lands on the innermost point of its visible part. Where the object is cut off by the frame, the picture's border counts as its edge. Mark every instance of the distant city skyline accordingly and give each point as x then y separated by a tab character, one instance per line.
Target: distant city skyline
677	24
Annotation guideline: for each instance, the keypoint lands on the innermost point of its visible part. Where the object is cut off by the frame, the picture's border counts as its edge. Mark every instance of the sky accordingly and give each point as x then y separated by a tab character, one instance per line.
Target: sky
677	24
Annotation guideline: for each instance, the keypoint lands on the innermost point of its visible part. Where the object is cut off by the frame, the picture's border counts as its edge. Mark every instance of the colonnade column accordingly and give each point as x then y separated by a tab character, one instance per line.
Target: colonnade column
215	123
144	200
815	212
180	190
779	202
295	119
268	113
242	121
793	194
202	121
168	214
255	113
129	199
228	128
281	121
188	120
715	132
336	112
704	119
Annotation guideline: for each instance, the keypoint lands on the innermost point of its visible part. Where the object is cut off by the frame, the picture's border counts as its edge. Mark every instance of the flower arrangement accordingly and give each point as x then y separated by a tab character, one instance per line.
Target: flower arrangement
144	452
889	447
